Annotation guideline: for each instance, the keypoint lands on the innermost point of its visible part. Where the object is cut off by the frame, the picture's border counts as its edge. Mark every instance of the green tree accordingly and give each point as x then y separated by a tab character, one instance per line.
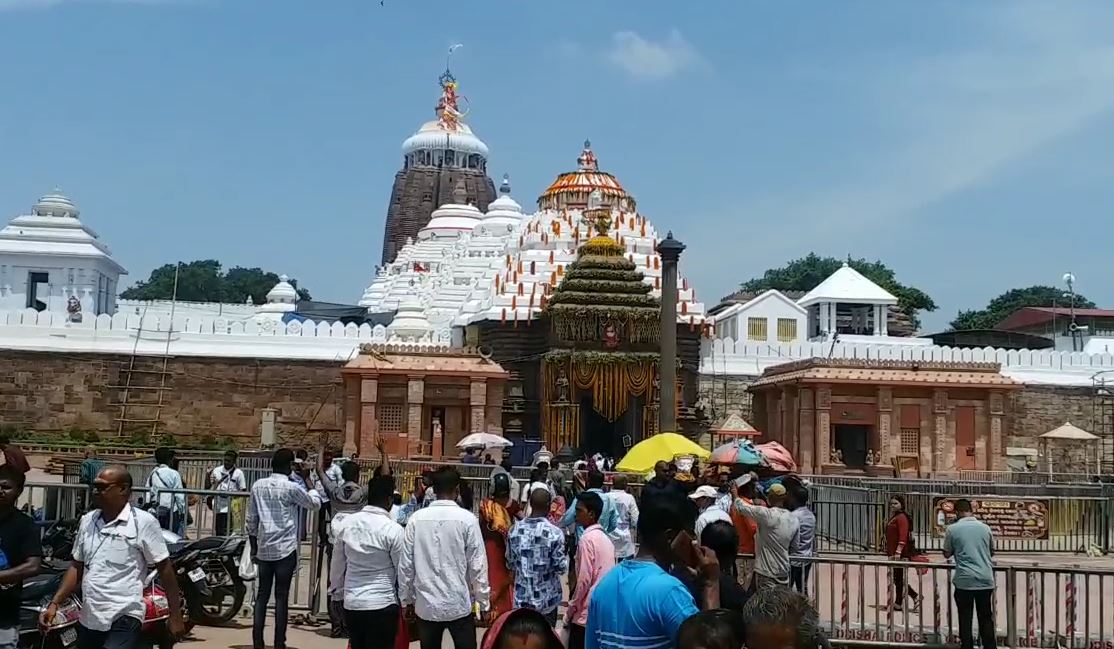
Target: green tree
1010	301
203	281
806	273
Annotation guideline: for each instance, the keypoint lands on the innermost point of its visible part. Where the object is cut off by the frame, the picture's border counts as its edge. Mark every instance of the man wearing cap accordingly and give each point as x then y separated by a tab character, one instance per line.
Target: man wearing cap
776	538
744	489
705	498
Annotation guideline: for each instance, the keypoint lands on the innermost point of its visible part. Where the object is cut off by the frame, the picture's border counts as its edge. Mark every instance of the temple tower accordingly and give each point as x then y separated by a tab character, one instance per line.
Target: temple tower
442	156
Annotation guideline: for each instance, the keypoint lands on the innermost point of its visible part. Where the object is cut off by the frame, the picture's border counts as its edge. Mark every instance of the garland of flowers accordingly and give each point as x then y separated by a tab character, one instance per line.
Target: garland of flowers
577	323
606	300
606	274
612	384
605	286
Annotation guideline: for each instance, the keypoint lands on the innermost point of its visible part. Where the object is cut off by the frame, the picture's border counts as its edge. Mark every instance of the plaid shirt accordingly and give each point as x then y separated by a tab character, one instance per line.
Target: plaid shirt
273	513
536	554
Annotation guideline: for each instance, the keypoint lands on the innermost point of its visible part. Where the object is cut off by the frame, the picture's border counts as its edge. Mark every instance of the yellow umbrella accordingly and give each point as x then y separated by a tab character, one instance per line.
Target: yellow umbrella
664	446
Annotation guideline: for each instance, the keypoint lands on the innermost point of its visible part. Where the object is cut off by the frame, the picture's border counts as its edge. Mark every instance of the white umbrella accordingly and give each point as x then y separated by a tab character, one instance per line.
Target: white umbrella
484	440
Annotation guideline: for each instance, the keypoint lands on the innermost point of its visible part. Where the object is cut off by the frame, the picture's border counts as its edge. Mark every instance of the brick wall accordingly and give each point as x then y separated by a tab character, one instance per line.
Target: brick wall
217	397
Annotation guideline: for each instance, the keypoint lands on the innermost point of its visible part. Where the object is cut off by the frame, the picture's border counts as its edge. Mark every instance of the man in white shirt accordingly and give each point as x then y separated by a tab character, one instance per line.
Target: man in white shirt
443	570
228	478
166	489
366	558
115	545
775	540
626	518
273	514
705	497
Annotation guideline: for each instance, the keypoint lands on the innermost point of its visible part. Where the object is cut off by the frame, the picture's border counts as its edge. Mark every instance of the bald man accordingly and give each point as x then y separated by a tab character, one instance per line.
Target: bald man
115	546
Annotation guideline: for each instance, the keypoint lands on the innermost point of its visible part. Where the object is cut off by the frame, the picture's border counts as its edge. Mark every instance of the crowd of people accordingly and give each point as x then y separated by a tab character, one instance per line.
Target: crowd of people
698	561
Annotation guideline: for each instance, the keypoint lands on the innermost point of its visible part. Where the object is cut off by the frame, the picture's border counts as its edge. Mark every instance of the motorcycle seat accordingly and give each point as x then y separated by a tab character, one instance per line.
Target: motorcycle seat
40	586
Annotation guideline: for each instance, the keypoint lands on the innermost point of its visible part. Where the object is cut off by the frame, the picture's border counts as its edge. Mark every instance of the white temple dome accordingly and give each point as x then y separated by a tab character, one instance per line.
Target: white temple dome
433	136
410	322
283	292
452	219
55	204
503	213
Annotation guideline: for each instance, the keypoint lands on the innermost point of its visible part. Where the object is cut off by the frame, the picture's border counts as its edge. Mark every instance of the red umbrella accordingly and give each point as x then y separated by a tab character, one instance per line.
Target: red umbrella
778	457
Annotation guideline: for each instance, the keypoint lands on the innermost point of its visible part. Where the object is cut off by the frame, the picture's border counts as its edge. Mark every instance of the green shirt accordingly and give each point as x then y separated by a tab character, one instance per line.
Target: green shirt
969	540
90	467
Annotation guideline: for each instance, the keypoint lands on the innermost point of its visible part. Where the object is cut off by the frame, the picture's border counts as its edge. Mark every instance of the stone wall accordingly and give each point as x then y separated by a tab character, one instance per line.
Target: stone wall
1037	409
727	394
203	398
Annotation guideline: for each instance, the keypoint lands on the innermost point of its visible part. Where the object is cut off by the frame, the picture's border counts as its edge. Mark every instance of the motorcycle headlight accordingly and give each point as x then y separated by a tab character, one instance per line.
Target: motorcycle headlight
69	611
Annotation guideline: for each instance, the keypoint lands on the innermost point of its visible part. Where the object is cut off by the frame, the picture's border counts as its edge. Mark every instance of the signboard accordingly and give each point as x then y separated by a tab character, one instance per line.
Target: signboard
1008	518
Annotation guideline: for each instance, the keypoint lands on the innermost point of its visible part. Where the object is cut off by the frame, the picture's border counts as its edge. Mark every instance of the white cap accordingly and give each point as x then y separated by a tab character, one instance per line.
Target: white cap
704	491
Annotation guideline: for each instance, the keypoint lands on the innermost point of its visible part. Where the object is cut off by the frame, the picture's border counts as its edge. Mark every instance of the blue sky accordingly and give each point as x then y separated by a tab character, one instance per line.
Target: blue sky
968	145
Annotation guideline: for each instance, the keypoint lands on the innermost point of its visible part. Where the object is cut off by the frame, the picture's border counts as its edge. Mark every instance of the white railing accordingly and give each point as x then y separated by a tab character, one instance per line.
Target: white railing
726	356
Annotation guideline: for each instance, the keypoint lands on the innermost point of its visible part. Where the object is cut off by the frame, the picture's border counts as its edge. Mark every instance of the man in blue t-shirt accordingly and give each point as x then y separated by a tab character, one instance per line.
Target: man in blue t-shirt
638	603
969	542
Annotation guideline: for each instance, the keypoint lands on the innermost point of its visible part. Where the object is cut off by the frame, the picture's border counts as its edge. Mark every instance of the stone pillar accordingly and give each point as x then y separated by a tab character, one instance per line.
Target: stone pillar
351	415
477	401
885	419
369	421
415	397
877	319
670	250
806	404
823	425
997	460
940	428
884	320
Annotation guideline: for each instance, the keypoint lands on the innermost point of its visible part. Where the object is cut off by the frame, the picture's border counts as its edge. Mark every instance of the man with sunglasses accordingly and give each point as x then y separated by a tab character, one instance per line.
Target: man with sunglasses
115	544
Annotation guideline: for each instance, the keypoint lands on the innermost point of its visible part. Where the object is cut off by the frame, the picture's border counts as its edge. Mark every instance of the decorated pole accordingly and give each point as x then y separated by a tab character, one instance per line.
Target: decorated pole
670	250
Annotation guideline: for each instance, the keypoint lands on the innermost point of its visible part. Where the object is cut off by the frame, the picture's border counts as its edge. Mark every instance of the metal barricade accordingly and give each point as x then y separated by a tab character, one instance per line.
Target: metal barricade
1059	607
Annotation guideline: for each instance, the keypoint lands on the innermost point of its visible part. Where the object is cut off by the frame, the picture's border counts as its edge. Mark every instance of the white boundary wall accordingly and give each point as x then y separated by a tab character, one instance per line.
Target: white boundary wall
728	357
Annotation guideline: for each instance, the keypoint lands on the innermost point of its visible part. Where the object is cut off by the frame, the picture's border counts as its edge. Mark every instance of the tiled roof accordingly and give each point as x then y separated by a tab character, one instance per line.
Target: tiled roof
396	359
912	373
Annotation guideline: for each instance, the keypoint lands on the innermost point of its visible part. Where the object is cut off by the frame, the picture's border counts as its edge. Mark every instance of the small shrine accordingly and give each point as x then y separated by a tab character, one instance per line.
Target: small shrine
600	376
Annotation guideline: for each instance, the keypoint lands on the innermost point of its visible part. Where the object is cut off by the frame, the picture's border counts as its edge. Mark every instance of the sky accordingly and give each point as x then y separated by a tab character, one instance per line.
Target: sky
966	145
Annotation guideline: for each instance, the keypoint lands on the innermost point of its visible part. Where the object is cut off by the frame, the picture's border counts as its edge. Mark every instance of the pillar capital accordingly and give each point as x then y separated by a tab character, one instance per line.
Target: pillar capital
670	249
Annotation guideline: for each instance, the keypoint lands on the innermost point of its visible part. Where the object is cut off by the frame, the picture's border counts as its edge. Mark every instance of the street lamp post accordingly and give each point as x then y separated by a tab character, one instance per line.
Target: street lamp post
670	250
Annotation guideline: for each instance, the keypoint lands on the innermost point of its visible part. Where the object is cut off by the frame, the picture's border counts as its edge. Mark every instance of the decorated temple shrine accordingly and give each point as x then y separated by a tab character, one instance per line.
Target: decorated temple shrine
565	299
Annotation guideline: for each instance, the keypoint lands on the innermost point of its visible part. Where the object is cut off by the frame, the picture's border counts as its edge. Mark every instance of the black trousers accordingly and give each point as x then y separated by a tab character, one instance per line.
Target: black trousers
462	631
901	587
967	601
798	577
124	634
576	636
220	524
372	629
277	574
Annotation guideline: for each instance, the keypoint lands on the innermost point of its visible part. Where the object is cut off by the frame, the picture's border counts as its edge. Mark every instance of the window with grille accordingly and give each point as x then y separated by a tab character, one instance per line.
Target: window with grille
786	330
910	441
390	417
757	329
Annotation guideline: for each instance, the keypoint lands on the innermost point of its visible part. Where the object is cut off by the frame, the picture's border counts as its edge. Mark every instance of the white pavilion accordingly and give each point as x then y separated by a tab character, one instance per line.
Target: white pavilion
51	261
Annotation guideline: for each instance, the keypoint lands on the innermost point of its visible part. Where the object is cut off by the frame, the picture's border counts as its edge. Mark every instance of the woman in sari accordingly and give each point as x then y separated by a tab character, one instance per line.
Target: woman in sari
497	515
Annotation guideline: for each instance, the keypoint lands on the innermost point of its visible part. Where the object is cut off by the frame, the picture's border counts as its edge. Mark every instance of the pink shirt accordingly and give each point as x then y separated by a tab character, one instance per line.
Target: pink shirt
595	555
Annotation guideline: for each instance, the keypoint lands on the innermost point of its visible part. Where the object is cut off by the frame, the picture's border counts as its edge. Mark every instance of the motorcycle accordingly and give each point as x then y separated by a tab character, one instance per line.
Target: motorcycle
209	578
36	596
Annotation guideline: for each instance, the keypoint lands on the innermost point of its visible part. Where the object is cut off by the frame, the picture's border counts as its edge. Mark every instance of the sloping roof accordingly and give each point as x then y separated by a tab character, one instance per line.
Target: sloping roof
1068	431
910	373
1028	316
849	286
397	359
773	294
734	424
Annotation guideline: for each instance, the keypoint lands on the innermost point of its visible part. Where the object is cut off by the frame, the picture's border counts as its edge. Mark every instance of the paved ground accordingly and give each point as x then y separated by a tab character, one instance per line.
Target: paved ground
297	638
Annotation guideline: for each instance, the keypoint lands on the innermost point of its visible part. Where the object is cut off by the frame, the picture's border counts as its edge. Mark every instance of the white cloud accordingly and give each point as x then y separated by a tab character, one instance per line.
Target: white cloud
650	60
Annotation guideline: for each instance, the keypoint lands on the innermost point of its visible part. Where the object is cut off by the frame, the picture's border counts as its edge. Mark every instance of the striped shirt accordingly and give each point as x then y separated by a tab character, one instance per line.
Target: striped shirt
637	605
273	515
